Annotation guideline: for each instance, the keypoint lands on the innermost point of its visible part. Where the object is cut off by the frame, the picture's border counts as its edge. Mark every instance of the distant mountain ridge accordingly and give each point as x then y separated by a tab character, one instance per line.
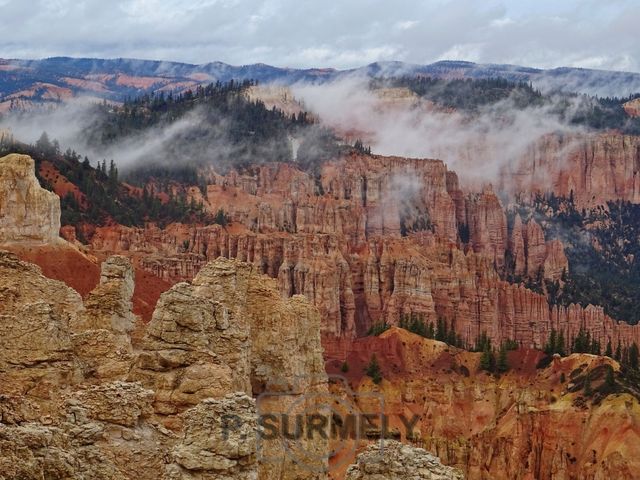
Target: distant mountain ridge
24	82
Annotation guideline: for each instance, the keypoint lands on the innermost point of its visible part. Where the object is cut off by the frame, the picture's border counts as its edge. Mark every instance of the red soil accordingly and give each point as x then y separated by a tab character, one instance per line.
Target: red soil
63	263
82	273
147	292
61	185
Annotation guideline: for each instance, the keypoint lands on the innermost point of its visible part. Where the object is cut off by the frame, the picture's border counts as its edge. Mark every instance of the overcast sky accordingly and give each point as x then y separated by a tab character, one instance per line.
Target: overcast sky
329	33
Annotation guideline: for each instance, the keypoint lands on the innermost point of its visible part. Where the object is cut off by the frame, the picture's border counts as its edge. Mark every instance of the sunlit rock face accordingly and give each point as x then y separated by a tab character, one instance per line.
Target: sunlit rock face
27	211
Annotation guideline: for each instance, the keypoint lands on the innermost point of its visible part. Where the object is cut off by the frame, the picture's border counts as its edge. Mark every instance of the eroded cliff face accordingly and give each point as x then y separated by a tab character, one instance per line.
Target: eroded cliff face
28	213
80	399
527	423
330	238
591	168
384	280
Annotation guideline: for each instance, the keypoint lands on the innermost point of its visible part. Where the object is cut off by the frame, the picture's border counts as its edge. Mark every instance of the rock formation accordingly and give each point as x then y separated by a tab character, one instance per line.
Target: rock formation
101	333
233	451
394	460
590	168
632	107
27	211
78	399
531	422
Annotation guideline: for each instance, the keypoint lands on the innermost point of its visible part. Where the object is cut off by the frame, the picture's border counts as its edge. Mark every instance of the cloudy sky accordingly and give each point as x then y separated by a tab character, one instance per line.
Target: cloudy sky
329	33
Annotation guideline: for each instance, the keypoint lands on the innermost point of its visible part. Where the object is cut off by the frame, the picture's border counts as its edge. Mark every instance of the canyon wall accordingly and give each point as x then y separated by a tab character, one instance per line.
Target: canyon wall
530	422
373	239
591	168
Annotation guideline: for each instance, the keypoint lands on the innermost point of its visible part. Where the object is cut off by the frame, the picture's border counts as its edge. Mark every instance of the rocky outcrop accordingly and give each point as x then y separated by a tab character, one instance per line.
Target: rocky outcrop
232	421
487	224
195	347
393	460
28	213
101	332
79	400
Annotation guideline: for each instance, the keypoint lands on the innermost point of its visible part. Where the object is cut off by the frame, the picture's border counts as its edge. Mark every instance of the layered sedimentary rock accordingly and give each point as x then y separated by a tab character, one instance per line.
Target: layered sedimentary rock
389	278
79	400
27	211
528	423
395	460
533	256
101	332
326	238
234	452
592	169
487	225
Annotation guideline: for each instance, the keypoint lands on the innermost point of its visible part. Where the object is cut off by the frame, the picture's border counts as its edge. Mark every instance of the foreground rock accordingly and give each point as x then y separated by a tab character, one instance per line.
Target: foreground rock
394	461
27	211
79	400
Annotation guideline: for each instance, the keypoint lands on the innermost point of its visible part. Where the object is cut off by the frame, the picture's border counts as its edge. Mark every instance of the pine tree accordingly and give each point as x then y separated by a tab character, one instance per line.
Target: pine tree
488	360
550	346
610	379
560	345
608	351
633	356
44	144
373	370
618	355
441	330
503	363
431	332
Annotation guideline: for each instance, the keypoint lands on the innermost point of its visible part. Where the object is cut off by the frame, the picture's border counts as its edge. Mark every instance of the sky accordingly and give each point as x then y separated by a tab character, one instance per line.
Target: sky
329	33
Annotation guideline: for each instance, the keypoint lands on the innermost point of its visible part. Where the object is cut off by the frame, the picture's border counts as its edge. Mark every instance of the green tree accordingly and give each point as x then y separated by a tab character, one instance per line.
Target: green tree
608	352
488	360
502	364
344	368
44	145
610	379
378	328
550	346
221	218
373	370
633	356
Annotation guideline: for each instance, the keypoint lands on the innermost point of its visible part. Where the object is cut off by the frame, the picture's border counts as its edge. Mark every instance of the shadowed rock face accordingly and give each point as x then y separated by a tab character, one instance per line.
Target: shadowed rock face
27	211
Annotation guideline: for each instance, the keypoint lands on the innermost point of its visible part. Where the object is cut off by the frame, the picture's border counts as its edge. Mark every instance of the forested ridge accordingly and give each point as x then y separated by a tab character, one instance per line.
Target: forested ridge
474	96
101	197
221	127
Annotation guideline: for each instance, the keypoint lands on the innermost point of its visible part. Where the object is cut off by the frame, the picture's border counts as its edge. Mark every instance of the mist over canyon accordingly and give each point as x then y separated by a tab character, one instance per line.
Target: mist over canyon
183	246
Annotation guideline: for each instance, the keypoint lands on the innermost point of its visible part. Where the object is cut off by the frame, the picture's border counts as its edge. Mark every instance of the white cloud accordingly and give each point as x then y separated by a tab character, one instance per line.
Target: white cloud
336	34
